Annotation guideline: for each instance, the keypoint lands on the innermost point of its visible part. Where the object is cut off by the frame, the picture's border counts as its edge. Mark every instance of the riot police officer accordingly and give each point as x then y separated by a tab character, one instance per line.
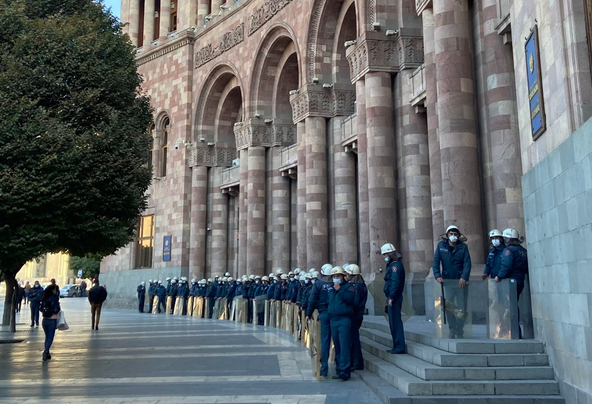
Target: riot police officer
152	284
494	259
356	279
142	295
342	301
319	300
394	283
161	293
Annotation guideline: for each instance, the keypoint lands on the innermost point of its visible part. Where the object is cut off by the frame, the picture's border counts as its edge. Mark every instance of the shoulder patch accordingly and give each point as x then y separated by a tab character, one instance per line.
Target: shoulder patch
507	252
395	268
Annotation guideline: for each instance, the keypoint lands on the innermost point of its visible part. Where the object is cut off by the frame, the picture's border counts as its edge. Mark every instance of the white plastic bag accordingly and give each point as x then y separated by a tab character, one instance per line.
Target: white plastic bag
62	325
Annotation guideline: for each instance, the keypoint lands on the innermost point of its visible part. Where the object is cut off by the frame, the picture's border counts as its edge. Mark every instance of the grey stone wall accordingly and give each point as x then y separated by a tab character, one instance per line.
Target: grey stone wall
558	210
121	285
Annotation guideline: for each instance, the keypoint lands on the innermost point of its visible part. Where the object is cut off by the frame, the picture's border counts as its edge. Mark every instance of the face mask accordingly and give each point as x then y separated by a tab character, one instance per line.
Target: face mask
306	281
453	239
496	242
336	280
313	281
386	259
257	282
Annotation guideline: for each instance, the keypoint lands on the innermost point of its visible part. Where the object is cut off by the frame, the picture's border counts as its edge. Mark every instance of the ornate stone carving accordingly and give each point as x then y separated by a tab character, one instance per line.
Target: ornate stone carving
313	33
143	59
252	134
384	55
371	14
228	41
421	5
265	13
322	102
211	156
283	134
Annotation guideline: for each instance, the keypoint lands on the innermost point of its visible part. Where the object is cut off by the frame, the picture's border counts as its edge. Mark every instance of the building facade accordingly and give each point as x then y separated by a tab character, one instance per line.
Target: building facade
290	133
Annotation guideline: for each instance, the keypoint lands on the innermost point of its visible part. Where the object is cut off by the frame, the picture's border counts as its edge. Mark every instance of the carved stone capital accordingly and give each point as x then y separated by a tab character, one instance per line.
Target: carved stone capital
252	134
315	100
377	54
421	5
284	134
211	156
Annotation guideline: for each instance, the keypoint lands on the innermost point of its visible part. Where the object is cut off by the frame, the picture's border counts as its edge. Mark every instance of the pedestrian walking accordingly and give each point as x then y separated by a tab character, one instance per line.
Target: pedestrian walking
50	307
96	296
35	297
27	292
83	286
20	295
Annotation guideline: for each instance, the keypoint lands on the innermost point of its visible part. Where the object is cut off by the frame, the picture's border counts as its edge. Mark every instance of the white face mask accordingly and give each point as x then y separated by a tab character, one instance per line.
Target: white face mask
257	282
306	281
495	242
453	239
386	259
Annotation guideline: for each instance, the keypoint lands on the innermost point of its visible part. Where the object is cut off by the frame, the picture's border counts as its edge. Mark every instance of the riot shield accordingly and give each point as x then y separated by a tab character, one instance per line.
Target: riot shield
198	307
296	323
223	309
452	310
206	307
315	344
271	322
155	305
179	301
266	313
305	330
190	305
278	314
169	304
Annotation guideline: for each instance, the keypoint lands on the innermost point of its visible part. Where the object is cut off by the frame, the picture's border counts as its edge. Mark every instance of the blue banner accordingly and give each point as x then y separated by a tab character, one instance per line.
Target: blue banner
166	248
535	88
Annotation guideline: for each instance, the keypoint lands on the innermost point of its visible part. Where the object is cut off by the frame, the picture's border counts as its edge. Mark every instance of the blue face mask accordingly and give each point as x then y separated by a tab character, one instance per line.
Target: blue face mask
336	280
313	281
387	259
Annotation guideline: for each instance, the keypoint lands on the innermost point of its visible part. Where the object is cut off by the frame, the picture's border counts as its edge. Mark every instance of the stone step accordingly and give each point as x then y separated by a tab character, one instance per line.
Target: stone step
429	371
482	400
466	346
446	359
414	386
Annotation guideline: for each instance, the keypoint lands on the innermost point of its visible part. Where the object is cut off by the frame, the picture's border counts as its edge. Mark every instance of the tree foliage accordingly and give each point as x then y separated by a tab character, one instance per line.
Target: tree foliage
90	266
73	132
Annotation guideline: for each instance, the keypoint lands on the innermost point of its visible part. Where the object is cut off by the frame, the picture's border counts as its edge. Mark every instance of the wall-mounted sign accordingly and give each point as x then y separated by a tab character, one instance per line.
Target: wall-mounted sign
166	248
535	85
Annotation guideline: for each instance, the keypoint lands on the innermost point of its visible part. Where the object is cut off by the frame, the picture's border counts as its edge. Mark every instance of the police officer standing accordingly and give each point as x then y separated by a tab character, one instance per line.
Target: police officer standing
183	294
211	297
342	299
514	264
356	279
142	296
319	299
494	259
152	284
453	256
160	292
394	284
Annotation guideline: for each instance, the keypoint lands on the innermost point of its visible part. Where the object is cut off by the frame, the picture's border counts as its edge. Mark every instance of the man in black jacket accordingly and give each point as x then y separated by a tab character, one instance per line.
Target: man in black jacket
394	283
96	296
35	296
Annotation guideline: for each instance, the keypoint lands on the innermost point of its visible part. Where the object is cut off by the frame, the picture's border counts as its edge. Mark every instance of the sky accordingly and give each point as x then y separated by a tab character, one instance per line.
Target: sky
115	6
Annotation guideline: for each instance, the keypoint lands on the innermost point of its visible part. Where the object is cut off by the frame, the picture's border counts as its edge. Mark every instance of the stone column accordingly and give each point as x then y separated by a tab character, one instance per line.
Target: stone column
280	224
242	213
431	104
501	125
345	214
148	23
186	14
203	9
165	20
363	221
301	222
219	226
134	20
461	189
317	234
256	211
412	129
197	238
381	159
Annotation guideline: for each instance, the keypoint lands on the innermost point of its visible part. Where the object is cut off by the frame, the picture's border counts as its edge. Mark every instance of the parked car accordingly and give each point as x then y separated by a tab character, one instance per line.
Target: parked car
70	291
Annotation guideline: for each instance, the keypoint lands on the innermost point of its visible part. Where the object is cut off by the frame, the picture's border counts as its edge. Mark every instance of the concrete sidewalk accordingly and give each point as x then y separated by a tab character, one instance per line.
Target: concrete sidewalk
145	358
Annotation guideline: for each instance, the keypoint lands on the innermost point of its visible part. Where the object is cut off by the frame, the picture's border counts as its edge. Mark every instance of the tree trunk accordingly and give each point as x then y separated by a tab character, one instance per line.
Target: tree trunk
9	316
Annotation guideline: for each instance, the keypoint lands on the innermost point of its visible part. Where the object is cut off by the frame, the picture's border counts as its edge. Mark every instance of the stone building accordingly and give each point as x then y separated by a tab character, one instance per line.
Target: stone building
290	133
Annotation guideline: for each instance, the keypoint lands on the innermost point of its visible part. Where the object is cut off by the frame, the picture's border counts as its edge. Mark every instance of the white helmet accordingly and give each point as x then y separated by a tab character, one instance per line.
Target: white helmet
297	271
338	271
314	274
230	279
353	269
511	233
168	279
311	270
326	269
270	275
302	277
495	233
279	271
227	274
149	281
257	277
251	277
175	279
387	249
193	280
143	283
452	227
160	282
290	273
265	278
307	276
209	279
284	277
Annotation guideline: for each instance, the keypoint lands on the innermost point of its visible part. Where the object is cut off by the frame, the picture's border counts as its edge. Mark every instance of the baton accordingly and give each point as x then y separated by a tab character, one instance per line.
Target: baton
443	302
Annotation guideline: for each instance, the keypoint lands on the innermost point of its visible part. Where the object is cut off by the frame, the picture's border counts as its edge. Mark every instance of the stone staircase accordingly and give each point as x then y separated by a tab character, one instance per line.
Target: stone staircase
455	371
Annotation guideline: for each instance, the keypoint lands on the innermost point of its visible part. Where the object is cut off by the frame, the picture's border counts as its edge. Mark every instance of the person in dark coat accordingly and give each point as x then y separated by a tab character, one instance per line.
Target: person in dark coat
141	296
319	300
394	284
50	307
160	292
494	258
356	279
35	297
452	263
20	295
96	297
342	302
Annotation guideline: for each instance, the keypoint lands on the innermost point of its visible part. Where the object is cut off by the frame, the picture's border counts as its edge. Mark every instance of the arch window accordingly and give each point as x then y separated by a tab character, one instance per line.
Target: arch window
150	148
164	147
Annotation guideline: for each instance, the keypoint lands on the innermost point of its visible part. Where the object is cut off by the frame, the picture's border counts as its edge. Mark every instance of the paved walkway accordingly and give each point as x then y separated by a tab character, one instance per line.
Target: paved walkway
145	358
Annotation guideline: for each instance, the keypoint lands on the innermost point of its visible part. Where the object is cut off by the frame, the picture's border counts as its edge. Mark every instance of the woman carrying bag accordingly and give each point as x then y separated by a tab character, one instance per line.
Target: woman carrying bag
50	307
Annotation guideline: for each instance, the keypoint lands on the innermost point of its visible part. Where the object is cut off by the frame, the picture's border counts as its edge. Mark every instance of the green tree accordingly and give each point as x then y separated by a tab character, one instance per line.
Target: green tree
73	134
89	265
